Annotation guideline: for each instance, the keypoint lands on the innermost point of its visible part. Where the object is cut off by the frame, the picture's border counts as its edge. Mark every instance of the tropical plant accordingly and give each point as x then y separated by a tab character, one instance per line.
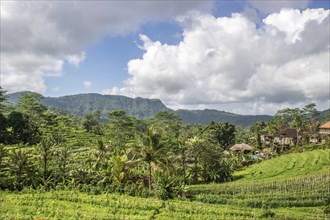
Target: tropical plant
153	150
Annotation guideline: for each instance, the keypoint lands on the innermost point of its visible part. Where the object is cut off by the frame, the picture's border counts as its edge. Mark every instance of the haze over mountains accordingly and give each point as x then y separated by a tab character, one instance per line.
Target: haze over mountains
139	107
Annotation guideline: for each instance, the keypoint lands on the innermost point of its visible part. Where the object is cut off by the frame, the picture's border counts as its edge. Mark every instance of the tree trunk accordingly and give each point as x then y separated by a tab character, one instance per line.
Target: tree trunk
297	142
149	178
184	171
45	166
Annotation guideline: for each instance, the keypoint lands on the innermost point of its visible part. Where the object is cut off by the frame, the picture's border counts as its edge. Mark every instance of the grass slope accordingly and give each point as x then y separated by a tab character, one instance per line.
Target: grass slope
287	166
293	186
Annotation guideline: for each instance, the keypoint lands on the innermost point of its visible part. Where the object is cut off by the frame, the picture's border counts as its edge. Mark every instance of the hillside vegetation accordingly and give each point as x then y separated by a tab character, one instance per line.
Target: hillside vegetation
287	166
207	115
86	103
141	108
292	186
56	166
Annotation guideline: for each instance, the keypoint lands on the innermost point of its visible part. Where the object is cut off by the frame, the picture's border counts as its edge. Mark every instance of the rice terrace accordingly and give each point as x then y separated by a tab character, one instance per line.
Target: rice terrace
165	110
304	195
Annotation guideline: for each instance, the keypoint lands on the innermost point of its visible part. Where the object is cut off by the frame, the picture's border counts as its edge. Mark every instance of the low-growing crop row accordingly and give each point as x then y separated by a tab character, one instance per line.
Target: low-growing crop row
75	205
298	197
287	185
287	166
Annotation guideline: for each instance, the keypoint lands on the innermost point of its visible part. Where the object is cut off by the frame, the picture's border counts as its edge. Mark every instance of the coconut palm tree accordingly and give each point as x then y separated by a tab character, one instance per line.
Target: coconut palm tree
153	150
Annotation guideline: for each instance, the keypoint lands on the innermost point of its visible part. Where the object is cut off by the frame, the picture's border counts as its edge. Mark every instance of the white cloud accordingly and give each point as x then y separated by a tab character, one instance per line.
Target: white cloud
76	59
229	60
87	84
26	71
293	22
37	37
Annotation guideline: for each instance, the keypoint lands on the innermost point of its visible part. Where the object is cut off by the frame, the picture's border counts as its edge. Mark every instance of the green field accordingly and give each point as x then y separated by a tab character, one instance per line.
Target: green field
292	186
287	166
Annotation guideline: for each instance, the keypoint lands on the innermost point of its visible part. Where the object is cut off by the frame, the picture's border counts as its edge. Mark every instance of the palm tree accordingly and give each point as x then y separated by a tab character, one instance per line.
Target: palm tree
153	150
19	167
121	168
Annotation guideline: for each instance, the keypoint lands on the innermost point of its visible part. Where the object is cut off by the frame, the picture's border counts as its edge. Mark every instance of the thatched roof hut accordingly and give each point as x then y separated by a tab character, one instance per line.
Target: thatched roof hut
241	147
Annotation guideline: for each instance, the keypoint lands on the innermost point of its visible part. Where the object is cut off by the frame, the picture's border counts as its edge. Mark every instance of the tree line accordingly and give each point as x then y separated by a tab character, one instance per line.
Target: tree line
41	147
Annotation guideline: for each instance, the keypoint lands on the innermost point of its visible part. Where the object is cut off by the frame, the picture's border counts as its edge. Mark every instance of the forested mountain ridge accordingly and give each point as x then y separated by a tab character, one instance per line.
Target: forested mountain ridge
139	107
83	103
207	115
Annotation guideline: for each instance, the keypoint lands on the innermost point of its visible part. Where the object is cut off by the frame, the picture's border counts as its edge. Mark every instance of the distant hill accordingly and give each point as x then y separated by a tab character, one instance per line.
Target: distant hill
14	97
139	107
325	115
83	103
207	115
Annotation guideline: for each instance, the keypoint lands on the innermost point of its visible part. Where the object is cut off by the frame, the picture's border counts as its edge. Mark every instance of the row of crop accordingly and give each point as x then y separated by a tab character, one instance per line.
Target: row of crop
286	166
73	205
308	191
196	210
259	201
305	184
76	205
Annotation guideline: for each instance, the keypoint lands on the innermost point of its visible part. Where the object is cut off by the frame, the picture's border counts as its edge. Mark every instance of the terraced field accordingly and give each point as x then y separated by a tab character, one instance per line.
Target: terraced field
75	205
284	185
287	166
292	186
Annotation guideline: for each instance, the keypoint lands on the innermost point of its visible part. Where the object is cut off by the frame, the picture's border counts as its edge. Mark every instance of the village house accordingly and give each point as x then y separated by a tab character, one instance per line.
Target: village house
324	131
266	138
287	137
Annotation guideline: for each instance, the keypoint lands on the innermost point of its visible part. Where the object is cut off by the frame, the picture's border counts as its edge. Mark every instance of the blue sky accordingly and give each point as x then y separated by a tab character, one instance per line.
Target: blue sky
106	62
188	54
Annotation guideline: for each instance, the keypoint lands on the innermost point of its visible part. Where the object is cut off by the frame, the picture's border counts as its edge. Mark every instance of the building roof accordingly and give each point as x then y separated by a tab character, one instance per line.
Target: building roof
265	133
326	125
241	147
290	133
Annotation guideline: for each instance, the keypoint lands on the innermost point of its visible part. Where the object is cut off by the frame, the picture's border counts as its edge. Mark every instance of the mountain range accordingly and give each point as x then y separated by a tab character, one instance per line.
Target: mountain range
142	108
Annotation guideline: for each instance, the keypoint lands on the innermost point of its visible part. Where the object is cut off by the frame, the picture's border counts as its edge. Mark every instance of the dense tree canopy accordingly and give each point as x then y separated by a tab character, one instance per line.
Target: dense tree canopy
43	148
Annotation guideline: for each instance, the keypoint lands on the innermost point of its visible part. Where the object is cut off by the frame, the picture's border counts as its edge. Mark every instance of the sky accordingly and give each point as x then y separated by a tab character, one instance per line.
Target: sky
246	57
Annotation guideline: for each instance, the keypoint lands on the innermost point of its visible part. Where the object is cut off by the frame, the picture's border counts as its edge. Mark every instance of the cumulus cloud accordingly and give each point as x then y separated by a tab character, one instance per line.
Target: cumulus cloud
26	70
87	84
37	37
231	60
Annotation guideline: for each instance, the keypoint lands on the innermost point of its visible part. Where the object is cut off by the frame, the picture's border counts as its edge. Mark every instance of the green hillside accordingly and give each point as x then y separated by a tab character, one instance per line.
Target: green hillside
141	108
287	166
84	103
145	108
292	186
207	115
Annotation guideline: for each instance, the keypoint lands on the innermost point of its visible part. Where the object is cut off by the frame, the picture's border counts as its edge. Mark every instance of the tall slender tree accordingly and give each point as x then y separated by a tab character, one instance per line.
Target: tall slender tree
153	150
3	99
257	128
